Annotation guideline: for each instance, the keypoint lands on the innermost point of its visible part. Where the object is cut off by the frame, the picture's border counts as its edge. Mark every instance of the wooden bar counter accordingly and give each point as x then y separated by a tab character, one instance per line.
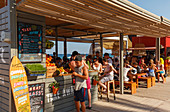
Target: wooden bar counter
64	100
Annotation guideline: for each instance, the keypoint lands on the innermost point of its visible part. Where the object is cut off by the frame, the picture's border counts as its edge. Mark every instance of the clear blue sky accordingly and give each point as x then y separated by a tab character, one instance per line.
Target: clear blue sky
158	7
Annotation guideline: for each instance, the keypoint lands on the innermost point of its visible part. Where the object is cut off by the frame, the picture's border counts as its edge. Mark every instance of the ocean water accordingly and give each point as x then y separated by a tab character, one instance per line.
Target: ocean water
69	55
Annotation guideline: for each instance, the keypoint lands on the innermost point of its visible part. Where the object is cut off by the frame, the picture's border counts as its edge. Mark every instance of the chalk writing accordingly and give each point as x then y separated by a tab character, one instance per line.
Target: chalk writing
17	71
65	92
21	95
2	54
36	93
20	88
22	99
17	76
19	83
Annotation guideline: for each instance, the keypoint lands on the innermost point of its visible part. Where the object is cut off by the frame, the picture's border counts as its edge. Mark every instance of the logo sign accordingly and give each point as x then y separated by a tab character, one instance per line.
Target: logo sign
5	36
19	85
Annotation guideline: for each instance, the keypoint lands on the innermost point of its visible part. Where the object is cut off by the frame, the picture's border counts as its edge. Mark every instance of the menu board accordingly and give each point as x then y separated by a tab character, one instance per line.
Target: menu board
36	93
19	86
29	42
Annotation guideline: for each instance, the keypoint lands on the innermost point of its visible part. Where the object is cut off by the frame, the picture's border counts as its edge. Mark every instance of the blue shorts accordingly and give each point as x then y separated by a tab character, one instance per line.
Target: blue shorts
81	95
161	72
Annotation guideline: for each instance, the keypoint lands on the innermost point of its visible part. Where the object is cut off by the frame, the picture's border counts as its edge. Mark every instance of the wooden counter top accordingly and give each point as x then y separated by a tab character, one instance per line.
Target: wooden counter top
71	73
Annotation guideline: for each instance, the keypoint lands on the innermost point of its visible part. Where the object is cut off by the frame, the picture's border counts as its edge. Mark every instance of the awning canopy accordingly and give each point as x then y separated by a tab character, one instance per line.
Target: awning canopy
76	18
107	41
146	48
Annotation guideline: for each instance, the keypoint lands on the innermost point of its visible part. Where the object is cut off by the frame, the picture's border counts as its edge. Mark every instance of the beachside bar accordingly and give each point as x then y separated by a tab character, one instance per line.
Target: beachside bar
71	20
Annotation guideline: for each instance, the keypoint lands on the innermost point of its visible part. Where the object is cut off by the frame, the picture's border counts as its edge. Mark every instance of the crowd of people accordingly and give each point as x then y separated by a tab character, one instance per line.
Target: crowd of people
108	69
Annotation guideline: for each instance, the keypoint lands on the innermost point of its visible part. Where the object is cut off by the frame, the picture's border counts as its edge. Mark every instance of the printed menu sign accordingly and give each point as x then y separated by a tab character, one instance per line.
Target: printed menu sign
30	42
19	85
36	93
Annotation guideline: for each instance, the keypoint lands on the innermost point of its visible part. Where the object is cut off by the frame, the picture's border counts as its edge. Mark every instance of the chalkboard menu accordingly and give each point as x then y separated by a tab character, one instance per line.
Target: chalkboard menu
29	42
36	94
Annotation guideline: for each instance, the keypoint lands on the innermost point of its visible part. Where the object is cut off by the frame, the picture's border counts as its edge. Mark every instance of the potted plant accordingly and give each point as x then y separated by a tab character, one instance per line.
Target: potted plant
54	87
35	69
95	79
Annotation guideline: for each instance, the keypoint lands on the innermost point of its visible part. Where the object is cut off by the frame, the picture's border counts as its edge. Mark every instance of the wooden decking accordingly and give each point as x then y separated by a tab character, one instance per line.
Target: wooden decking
154	99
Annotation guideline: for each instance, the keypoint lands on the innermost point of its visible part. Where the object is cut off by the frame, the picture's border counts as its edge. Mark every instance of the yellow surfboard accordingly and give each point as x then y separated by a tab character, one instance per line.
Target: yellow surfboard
19	86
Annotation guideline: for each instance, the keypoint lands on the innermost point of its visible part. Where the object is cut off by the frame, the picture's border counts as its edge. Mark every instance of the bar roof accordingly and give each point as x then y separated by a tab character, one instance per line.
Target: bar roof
78	18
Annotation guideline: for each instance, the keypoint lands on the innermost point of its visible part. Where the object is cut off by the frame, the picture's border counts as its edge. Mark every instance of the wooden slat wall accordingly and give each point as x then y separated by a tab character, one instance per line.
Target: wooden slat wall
4	63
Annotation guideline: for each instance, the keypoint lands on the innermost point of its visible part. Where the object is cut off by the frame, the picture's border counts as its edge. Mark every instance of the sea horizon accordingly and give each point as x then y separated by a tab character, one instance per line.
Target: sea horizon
69	55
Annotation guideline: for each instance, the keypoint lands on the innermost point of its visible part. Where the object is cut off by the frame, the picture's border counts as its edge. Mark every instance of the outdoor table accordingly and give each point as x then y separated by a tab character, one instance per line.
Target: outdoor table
158	70
137	77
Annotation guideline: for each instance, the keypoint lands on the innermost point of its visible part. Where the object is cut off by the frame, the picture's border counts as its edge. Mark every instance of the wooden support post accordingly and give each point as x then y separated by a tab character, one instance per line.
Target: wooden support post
121	64
12	27
65	47
56	42
101	45
127	46
158	49
93	48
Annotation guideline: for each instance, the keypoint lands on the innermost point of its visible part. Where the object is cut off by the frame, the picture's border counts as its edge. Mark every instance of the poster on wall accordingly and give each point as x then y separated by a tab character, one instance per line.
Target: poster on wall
29	42
36	93
19	86
167	50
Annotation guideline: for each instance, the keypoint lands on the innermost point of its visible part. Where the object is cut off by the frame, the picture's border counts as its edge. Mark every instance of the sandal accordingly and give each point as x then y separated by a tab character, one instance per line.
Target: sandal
88	107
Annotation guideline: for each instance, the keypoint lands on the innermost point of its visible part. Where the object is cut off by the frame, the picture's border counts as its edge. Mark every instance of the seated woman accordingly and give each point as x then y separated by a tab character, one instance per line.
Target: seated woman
126	69
108	73
152	68
161	73
97	66
143	65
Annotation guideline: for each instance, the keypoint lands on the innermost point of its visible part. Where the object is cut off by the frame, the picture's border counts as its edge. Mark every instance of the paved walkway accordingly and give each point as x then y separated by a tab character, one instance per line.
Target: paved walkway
154	99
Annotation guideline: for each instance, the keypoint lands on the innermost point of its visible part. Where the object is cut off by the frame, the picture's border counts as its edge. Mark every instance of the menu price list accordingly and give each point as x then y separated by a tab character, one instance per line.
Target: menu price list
36	94
30	42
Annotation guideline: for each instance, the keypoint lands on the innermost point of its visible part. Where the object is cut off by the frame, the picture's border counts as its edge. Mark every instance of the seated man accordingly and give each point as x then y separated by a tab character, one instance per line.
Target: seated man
135	65
108	73
58	62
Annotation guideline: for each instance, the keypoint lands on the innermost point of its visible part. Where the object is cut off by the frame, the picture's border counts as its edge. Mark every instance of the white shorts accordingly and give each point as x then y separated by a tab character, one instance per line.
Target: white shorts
106	78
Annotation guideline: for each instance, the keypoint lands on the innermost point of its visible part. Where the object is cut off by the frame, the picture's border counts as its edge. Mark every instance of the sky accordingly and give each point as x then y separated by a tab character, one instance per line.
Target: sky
158	7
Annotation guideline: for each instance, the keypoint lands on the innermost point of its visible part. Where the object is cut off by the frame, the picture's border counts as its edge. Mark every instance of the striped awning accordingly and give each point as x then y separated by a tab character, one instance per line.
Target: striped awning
91	17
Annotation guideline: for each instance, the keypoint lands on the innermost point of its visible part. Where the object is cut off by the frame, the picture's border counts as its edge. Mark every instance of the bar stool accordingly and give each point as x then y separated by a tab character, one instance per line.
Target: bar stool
108	90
